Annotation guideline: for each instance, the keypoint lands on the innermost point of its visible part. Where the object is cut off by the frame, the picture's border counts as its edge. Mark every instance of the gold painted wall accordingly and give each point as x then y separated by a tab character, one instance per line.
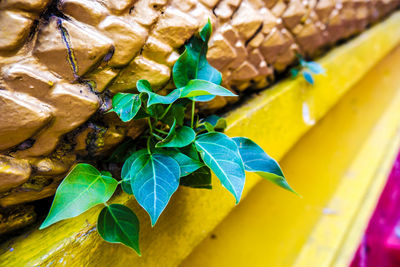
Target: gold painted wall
61	61
192	215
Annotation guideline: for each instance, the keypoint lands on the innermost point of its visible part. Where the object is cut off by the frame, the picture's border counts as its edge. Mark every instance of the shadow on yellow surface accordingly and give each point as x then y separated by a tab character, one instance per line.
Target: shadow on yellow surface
272	227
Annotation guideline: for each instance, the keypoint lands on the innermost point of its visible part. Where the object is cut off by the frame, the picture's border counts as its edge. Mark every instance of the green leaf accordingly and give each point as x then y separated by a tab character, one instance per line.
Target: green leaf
126	170
214	123
219	123
187	165
178	137
185	67
106	174
206	31
144	86
190	151
221	155
142	113
83	188
119	224
126	187
201	88
201	178
156	111
126	105
209	127
202	98
154	179
294	72
176	112
256	160
183	136
193	64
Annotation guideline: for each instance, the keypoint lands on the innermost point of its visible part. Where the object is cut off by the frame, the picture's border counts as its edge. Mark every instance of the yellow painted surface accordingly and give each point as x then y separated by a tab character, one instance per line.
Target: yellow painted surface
276	119
339	168
354	233
362	182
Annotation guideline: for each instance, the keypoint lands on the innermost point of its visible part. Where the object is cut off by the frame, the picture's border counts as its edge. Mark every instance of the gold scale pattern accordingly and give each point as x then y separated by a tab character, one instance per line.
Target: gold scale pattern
51	51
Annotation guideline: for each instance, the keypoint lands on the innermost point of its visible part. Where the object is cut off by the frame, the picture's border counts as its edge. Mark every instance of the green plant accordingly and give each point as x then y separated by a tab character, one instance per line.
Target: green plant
307	68
176	151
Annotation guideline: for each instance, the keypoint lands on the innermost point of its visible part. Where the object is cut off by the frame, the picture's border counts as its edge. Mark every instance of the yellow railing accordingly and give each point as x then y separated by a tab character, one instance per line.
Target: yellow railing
339	167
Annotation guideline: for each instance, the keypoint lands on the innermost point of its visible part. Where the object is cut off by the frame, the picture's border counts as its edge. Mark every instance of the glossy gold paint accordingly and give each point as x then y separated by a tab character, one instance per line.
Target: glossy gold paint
276	119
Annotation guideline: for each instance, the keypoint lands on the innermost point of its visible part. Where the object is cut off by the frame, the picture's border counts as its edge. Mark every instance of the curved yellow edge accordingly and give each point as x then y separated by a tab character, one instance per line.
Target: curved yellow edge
339	167
276	119
335	239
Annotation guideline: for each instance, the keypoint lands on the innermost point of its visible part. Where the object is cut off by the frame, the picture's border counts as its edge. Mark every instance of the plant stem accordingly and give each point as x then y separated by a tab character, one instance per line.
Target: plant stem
166	111
192	120
148	144
157	136
160	131
150	125
197	121
199	124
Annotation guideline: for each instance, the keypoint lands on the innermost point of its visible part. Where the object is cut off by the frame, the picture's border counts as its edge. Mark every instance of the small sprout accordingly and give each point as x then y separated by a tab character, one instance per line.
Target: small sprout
308	68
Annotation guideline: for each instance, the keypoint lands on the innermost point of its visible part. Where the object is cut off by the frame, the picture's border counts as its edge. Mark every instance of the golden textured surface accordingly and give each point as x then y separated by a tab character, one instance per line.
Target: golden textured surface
51	51
276	120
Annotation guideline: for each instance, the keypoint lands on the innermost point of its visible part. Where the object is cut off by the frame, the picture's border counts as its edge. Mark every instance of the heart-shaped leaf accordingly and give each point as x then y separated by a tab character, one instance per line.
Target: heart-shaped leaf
119	224
144	86
154	179
256	160
187	165
221	155
126	171
126	105
200	88
193	64
83	188
201	178
178	137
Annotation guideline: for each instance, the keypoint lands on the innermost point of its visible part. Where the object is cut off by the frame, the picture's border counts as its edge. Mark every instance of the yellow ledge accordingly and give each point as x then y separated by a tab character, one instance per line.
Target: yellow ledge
276	119
339	167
